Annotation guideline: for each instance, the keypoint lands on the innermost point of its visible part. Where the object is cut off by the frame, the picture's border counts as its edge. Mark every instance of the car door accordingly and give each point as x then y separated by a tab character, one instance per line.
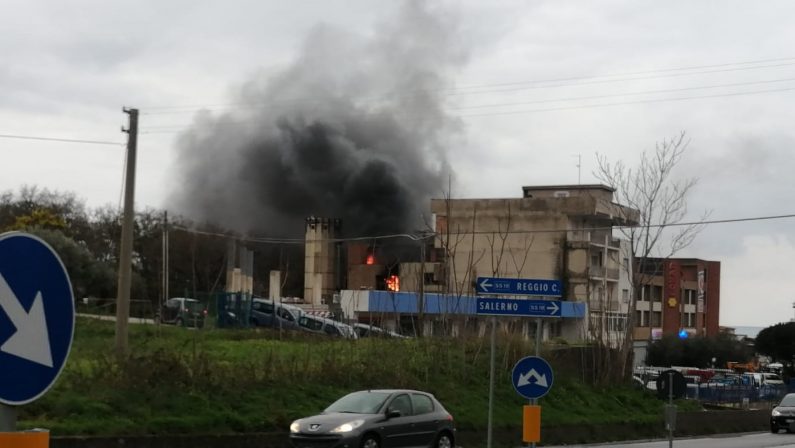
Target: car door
425	420
398	431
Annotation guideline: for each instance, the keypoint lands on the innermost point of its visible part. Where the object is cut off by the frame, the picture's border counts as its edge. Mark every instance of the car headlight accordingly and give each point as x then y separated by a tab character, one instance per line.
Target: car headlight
295	426
776	413
348	427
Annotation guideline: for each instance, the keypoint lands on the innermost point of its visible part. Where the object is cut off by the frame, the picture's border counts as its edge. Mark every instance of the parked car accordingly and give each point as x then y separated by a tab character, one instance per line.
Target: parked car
182	312
322	325
783	415
375	418
266	313
366	330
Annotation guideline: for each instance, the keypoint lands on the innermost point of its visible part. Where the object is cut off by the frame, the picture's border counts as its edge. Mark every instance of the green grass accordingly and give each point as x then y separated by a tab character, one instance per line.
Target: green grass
216	381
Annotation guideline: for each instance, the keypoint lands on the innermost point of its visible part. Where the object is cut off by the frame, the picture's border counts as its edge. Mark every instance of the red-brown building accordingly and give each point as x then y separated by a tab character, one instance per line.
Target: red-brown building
677	294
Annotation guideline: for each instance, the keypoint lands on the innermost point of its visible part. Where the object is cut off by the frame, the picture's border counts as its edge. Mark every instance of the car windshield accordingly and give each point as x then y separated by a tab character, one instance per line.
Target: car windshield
788	400
359	403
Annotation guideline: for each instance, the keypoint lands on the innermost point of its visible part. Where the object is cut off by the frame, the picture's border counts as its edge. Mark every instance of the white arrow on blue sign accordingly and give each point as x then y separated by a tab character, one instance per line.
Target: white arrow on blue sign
532	377
518	286
37	317
491	306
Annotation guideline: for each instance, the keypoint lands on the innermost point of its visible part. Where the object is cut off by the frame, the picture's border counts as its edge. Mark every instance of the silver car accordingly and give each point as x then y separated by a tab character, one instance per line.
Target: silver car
378	418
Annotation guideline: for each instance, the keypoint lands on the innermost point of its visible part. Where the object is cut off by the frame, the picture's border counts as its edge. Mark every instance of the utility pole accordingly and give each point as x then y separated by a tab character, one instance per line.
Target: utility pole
125	258
165	260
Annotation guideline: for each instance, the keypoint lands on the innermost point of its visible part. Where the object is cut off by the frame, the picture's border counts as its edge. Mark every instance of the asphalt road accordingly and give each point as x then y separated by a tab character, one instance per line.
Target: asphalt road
756	440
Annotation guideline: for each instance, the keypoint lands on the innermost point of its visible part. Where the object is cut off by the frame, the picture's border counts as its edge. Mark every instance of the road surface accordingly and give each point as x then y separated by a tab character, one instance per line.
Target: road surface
756	440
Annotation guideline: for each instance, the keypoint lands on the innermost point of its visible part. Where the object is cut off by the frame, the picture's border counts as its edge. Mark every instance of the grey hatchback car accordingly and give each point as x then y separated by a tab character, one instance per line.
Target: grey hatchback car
378	418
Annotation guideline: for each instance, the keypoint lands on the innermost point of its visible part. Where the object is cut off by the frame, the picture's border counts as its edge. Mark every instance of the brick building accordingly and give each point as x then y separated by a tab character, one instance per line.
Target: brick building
677	294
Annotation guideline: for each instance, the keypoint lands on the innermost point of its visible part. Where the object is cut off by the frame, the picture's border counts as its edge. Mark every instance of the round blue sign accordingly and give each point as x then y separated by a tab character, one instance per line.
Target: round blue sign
532	377
37	317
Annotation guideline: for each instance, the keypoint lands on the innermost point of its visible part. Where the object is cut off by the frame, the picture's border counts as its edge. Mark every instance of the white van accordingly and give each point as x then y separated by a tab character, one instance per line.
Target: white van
322	325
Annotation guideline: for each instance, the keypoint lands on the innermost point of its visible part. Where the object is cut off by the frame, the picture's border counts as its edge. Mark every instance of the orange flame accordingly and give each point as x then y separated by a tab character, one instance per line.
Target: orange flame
370	259
393	283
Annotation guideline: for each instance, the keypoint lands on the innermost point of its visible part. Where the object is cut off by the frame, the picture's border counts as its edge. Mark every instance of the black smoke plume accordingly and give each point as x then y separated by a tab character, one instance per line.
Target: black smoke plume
354	129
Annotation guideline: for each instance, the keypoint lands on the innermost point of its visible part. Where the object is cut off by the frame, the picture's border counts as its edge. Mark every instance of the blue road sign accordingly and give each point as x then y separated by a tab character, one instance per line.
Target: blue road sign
518	286
532	377
37	317
492	306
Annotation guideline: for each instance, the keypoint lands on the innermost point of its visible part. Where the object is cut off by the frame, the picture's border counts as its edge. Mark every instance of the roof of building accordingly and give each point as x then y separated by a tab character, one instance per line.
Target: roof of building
569	187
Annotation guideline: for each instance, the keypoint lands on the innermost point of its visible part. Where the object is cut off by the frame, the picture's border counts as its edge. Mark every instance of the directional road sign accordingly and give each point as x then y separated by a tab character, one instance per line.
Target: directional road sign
37	317
491	306
532	377
518	287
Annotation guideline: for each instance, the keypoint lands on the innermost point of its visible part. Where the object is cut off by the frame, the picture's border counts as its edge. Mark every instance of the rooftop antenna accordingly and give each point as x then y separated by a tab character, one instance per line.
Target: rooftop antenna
579	166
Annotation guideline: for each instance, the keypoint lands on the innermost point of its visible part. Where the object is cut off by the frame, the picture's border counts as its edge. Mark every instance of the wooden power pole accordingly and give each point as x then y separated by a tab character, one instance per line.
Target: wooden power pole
125	257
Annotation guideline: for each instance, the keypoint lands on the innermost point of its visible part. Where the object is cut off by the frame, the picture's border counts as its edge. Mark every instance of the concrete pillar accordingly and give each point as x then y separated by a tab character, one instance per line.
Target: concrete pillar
427	328
455	329
231	258
275	285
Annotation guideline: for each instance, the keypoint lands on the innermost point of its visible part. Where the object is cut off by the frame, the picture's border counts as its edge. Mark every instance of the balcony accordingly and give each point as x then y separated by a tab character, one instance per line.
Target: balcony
592	238
602	305
603	272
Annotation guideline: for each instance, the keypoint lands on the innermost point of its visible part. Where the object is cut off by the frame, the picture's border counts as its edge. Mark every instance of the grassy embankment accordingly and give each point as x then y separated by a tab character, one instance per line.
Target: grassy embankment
213	381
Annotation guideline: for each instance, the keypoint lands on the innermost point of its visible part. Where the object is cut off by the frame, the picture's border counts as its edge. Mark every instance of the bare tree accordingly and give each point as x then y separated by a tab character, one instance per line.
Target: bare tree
660	200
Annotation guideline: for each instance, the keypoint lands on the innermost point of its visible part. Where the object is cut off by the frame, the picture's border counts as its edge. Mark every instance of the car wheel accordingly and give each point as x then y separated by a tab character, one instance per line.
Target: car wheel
444	441
370	441
774	429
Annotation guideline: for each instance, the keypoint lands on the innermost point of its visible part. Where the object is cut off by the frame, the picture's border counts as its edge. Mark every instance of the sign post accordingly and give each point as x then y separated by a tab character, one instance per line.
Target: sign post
36	324
532	378
499	306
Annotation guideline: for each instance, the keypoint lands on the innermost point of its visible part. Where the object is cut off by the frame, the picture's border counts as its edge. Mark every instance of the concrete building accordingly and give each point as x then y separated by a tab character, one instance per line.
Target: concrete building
552	232
321	259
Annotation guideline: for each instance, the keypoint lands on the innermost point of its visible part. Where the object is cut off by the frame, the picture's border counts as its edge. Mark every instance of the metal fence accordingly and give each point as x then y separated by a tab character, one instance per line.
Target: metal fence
736	393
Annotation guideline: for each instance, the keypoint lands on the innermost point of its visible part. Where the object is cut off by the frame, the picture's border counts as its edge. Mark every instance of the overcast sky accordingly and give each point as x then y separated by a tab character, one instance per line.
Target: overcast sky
627	74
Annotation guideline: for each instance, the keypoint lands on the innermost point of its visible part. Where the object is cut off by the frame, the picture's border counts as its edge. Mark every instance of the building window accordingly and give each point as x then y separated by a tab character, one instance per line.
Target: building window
656	294
596	260
656	318
639	318
626	262
625	295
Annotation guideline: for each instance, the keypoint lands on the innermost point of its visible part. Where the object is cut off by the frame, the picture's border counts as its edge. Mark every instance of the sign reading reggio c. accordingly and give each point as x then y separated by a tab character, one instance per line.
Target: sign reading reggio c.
37	317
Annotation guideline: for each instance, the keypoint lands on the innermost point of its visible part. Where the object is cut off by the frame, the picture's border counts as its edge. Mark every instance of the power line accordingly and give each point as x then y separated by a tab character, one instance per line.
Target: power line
612	95
646	72
429	234
177	128
497	87
624	103
65	140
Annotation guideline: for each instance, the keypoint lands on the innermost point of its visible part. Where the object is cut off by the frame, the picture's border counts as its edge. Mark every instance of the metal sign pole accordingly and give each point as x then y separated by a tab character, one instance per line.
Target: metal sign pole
670	403
539	335
8	418
491	380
